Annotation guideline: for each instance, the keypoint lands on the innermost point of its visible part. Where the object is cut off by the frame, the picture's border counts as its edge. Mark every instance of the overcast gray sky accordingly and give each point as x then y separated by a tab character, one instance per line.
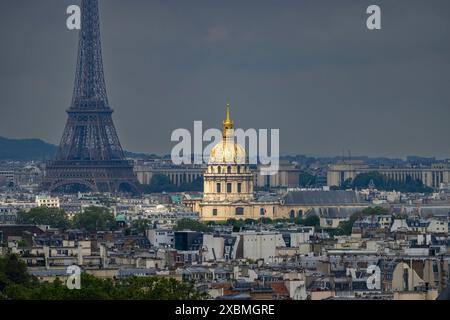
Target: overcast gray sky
310	68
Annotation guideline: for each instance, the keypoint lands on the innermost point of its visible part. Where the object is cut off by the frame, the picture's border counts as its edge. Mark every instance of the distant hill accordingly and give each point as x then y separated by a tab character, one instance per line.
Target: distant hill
139	155
36	149
25	149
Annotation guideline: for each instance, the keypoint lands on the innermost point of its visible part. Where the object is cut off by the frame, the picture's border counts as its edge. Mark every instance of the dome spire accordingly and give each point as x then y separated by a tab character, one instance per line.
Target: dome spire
227	123
228	112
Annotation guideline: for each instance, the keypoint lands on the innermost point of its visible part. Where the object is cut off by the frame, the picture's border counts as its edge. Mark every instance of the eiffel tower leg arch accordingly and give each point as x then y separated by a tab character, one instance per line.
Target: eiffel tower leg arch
128	187
73	186
90	154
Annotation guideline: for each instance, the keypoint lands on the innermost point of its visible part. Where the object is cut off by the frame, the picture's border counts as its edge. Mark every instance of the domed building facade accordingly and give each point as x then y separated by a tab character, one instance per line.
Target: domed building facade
228	189
228	176
228	182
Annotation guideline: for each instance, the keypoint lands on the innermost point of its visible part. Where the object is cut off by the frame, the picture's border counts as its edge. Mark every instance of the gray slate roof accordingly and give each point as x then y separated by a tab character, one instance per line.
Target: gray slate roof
136	272
335	212
49	273
320	198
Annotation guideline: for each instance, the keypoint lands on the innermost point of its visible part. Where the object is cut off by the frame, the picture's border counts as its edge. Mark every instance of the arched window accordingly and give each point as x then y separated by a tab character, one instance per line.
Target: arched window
292	214
300	213
218	170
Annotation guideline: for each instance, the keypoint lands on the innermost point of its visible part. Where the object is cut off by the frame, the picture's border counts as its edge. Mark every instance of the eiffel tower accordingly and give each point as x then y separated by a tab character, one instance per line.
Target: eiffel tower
90	157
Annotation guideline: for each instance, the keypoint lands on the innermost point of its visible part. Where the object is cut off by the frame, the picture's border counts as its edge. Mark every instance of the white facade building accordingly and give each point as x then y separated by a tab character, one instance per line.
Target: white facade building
213	248
47	201
438	226
161	237
258	245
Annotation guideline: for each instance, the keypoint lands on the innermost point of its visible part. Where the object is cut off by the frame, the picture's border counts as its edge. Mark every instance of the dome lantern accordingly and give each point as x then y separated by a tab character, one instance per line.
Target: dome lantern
228	124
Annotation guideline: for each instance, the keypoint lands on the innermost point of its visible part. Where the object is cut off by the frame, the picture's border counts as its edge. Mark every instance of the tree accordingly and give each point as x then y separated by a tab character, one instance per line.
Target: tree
190	224
54	217
345	227
160	183
141	225
266	220
13	271
250	221
16	283
196	185
157	288
237	224
347	184
311	221
306	179
363	180
95	219
374	211
22	244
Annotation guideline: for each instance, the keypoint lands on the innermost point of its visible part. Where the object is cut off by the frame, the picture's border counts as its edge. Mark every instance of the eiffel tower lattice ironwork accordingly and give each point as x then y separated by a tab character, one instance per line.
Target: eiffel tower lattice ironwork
90	156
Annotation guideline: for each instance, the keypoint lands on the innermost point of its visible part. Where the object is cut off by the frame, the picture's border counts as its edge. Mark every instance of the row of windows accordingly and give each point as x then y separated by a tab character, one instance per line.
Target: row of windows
239	211
228	169
292	214
229	188
49	200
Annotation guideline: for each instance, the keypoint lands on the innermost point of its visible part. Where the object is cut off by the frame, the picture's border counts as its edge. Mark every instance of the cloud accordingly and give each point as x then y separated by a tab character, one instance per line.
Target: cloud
309	68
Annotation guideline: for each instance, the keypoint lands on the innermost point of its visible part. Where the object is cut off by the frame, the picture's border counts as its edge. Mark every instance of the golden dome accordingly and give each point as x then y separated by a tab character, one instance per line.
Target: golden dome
227	151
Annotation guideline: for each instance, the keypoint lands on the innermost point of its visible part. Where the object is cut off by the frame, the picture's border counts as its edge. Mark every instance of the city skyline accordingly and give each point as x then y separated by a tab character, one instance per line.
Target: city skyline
329	178
170	64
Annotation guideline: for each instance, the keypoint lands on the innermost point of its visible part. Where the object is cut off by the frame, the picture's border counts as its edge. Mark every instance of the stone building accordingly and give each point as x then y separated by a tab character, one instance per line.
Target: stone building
434	176
229	189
